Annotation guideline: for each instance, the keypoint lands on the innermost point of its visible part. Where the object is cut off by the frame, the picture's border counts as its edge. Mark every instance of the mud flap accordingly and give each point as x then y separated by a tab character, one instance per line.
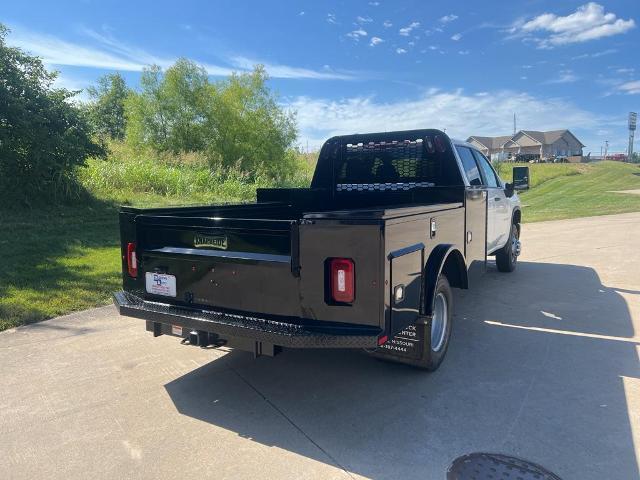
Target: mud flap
411	346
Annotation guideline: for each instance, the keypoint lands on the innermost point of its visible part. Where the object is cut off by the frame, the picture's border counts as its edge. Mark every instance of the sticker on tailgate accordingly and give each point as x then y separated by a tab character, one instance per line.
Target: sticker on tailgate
161	284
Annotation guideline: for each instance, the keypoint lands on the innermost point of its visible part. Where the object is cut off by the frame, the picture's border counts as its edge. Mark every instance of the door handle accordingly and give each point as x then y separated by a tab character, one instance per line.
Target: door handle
497	199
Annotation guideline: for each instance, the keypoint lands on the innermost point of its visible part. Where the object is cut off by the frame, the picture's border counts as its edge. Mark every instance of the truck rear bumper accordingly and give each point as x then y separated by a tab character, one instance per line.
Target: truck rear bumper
228	325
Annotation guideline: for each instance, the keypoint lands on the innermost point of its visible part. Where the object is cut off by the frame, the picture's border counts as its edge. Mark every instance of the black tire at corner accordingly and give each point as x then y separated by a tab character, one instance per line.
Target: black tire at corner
505	261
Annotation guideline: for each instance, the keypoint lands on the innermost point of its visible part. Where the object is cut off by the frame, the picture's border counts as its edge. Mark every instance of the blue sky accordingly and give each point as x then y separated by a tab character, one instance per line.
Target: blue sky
356	66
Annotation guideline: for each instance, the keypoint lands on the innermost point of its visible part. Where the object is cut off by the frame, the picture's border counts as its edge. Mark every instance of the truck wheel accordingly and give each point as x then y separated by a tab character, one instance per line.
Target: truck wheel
432	333
507	256
439	328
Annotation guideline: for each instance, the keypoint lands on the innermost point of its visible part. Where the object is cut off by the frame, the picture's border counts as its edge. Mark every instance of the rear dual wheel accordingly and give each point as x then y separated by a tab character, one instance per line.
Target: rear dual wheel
438	329
433	333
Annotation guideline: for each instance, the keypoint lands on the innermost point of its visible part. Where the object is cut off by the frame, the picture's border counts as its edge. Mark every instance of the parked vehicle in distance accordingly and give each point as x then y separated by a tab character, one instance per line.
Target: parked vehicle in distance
367	257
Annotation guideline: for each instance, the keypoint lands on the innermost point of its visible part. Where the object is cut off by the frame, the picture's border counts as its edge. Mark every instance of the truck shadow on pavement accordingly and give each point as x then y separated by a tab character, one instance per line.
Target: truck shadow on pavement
537	368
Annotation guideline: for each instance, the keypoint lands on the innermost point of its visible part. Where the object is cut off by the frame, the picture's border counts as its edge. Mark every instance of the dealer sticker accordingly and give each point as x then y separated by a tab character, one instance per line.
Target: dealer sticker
161	284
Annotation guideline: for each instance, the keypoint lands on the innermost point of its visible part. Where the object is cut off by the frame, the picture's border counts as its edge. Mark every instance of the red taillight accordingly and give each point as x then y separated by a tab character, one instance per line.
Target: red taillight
343	287
132	261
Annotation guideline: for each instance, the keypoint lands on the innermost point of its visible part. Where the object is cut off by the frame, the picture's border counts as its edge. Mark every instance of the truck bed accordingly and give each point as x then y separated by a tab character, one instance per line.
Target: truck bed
271	271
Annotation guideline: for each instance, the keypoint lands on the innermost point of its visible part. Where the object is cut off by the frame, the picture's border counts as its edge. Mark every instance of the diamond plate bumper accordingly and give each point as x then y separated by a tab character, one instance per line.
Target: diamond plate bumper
280	333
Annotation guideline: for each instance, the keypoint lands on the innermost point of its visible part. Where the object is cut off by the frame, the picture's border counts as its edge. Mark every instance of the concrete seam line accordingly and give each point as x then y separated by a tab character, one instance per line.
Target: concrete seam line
293	424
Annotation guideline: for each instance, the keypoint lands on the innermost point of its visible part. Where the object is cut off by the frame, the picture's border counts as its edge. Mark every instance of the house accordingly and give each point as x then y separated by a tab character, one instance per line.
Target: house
529	145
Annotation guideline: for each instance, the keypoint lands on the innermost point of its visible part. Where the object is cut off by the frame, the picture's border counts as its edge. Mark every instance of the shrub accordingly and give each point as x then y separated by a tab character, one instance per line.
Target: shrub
43	136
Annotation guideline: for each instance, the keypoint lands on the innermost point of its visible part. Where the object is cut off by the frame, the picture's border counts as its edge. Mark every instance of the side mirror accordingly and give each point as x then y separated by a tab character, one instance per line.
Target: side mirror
520	178
508	190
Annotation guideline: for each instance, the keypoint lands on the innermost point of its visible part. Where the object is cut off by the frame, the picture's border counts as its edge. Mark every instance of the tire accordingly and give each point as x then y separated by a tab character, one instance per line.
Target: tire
432	352
438	330
507	256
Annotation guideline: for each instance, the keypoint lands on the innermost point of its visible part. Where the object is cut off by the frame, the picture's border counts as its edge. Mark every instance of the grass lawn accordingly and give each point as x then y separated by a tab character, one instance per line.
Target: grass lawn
578	190
58	259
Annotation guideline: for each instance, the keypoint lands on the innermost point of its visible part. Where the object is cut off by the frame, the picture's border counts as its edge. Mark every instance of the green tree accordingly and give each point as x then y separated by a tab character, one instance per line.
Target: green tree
106	110
43	136
237	121
167	114
251	129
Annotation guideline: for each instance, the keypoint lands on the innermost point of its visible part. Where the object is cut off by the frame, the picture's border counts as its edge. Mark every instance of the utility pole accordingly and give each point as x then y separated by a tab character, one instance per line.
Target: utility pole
606	148
514	123
633	117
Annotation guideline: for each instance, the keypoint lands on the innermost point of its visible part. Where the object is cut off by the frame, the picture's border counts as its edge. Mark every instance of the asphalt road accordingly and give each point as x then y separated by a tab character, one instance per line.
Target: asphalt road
543	364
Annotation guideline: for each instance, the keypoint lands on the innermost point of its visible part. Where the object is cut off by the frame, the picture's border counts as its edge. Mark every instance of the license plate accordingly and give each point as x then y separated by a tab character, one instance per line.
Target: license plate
161	284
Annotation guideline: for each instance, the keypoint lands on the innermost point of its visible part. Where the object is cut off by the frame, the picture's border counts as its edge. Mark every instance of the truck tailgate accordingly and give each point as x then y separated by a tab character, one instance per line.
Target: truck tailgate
234	264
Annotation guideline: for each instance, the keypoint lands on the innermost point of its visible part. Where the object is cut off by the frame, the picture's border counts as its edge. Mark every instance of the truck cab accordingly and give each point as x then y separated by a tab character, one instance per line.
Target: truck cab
503	204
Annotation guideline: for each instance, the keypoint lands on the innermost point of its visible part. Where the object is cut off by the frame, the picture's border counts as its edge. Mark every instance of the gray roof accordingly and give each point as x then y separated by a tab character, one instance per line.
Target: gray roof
490	142
545	138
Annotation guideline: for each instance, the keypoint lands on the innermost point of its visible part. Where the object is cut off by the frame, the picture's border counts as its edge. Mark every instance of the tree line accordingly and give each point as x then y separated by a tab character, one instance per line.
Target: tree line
46	133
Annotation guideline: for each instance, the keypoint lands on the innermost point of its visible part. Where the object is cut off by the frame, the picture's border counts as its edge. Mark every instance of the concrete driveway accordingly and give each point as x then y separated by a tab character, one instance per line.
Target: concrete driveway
543	364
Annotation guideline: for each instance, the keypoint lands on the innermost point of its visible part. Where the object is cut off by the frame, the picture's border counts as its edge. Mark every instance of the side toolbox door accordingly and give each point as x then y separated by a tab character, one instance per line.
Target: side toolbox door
405	286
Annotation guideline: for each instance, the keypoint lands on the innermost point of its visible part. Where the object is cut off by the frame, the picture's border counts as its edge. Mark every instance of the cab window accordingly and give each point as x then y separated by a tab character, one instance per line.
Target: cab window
470	166
489	175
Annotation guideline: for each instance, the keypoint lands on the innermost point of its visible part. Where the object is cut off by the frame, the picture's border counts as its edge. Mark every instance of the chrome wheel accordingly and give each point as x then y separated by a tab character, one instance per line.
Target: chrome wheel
515	243
439	322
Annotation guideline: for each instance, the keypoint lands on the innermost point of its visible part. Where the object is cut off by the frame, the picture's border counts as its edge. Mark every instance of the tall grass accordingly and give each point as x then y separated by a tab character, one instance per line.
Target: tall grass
145	177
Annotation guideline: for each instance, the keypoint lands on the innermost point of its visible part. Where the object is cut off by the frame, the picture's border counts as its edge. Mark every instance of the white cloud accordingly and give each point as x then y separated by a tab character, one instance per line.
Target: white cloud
356	34
448	18
374	4
456	37
625	71
301	14
287	71
462	114
588	22
595	54
375	41
524	77
110	54
55	51
406	31
400	51
331	18
565	76
360	19
387	24
632	88
464	52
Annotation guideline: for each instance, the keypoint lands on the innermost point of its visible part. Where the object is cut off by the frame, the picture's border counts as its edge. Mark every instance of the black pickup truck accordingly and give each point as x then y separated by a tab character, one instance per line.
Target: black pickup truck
364	258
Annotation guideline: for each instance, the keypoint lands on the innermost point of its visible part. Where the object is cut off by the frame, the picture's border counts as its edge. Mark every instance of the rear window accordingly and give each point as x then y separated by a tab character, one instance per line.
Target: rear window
470	166
398	165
